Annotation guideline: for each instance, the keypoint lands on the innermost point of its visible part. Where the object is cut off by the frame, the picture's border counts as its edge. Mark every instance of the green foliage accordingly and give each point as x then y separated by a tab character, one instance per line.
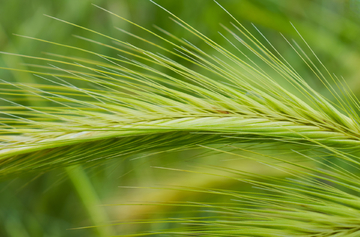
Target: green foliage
157	92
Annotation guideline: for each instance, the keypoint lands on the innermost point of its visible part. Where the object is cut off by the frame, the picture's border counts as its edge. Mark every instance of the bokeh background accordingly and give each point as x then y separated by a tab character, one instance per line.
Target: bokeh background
61	201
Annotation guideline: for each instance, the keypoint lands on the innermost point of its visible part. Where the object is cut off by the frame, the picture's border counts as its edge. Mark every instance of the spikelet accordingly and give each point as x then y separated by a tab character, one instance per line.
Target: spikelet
145	101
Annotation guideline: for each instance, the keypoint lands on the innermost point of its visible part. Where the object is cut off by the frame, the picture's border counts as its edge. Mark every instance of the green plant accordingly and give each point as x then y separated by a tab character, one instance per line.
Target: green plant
239	99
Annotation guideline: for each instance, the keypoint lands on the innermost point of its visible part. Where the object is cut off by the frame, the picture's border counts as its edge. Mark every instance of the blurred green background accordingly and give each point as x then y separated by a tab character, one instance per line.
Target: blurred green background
55	203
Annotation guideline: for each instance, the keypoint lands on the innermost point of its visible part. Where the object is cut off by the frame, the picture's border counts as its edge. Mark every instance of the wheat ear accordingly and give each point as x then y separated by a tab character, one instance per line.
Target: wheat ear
134	106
